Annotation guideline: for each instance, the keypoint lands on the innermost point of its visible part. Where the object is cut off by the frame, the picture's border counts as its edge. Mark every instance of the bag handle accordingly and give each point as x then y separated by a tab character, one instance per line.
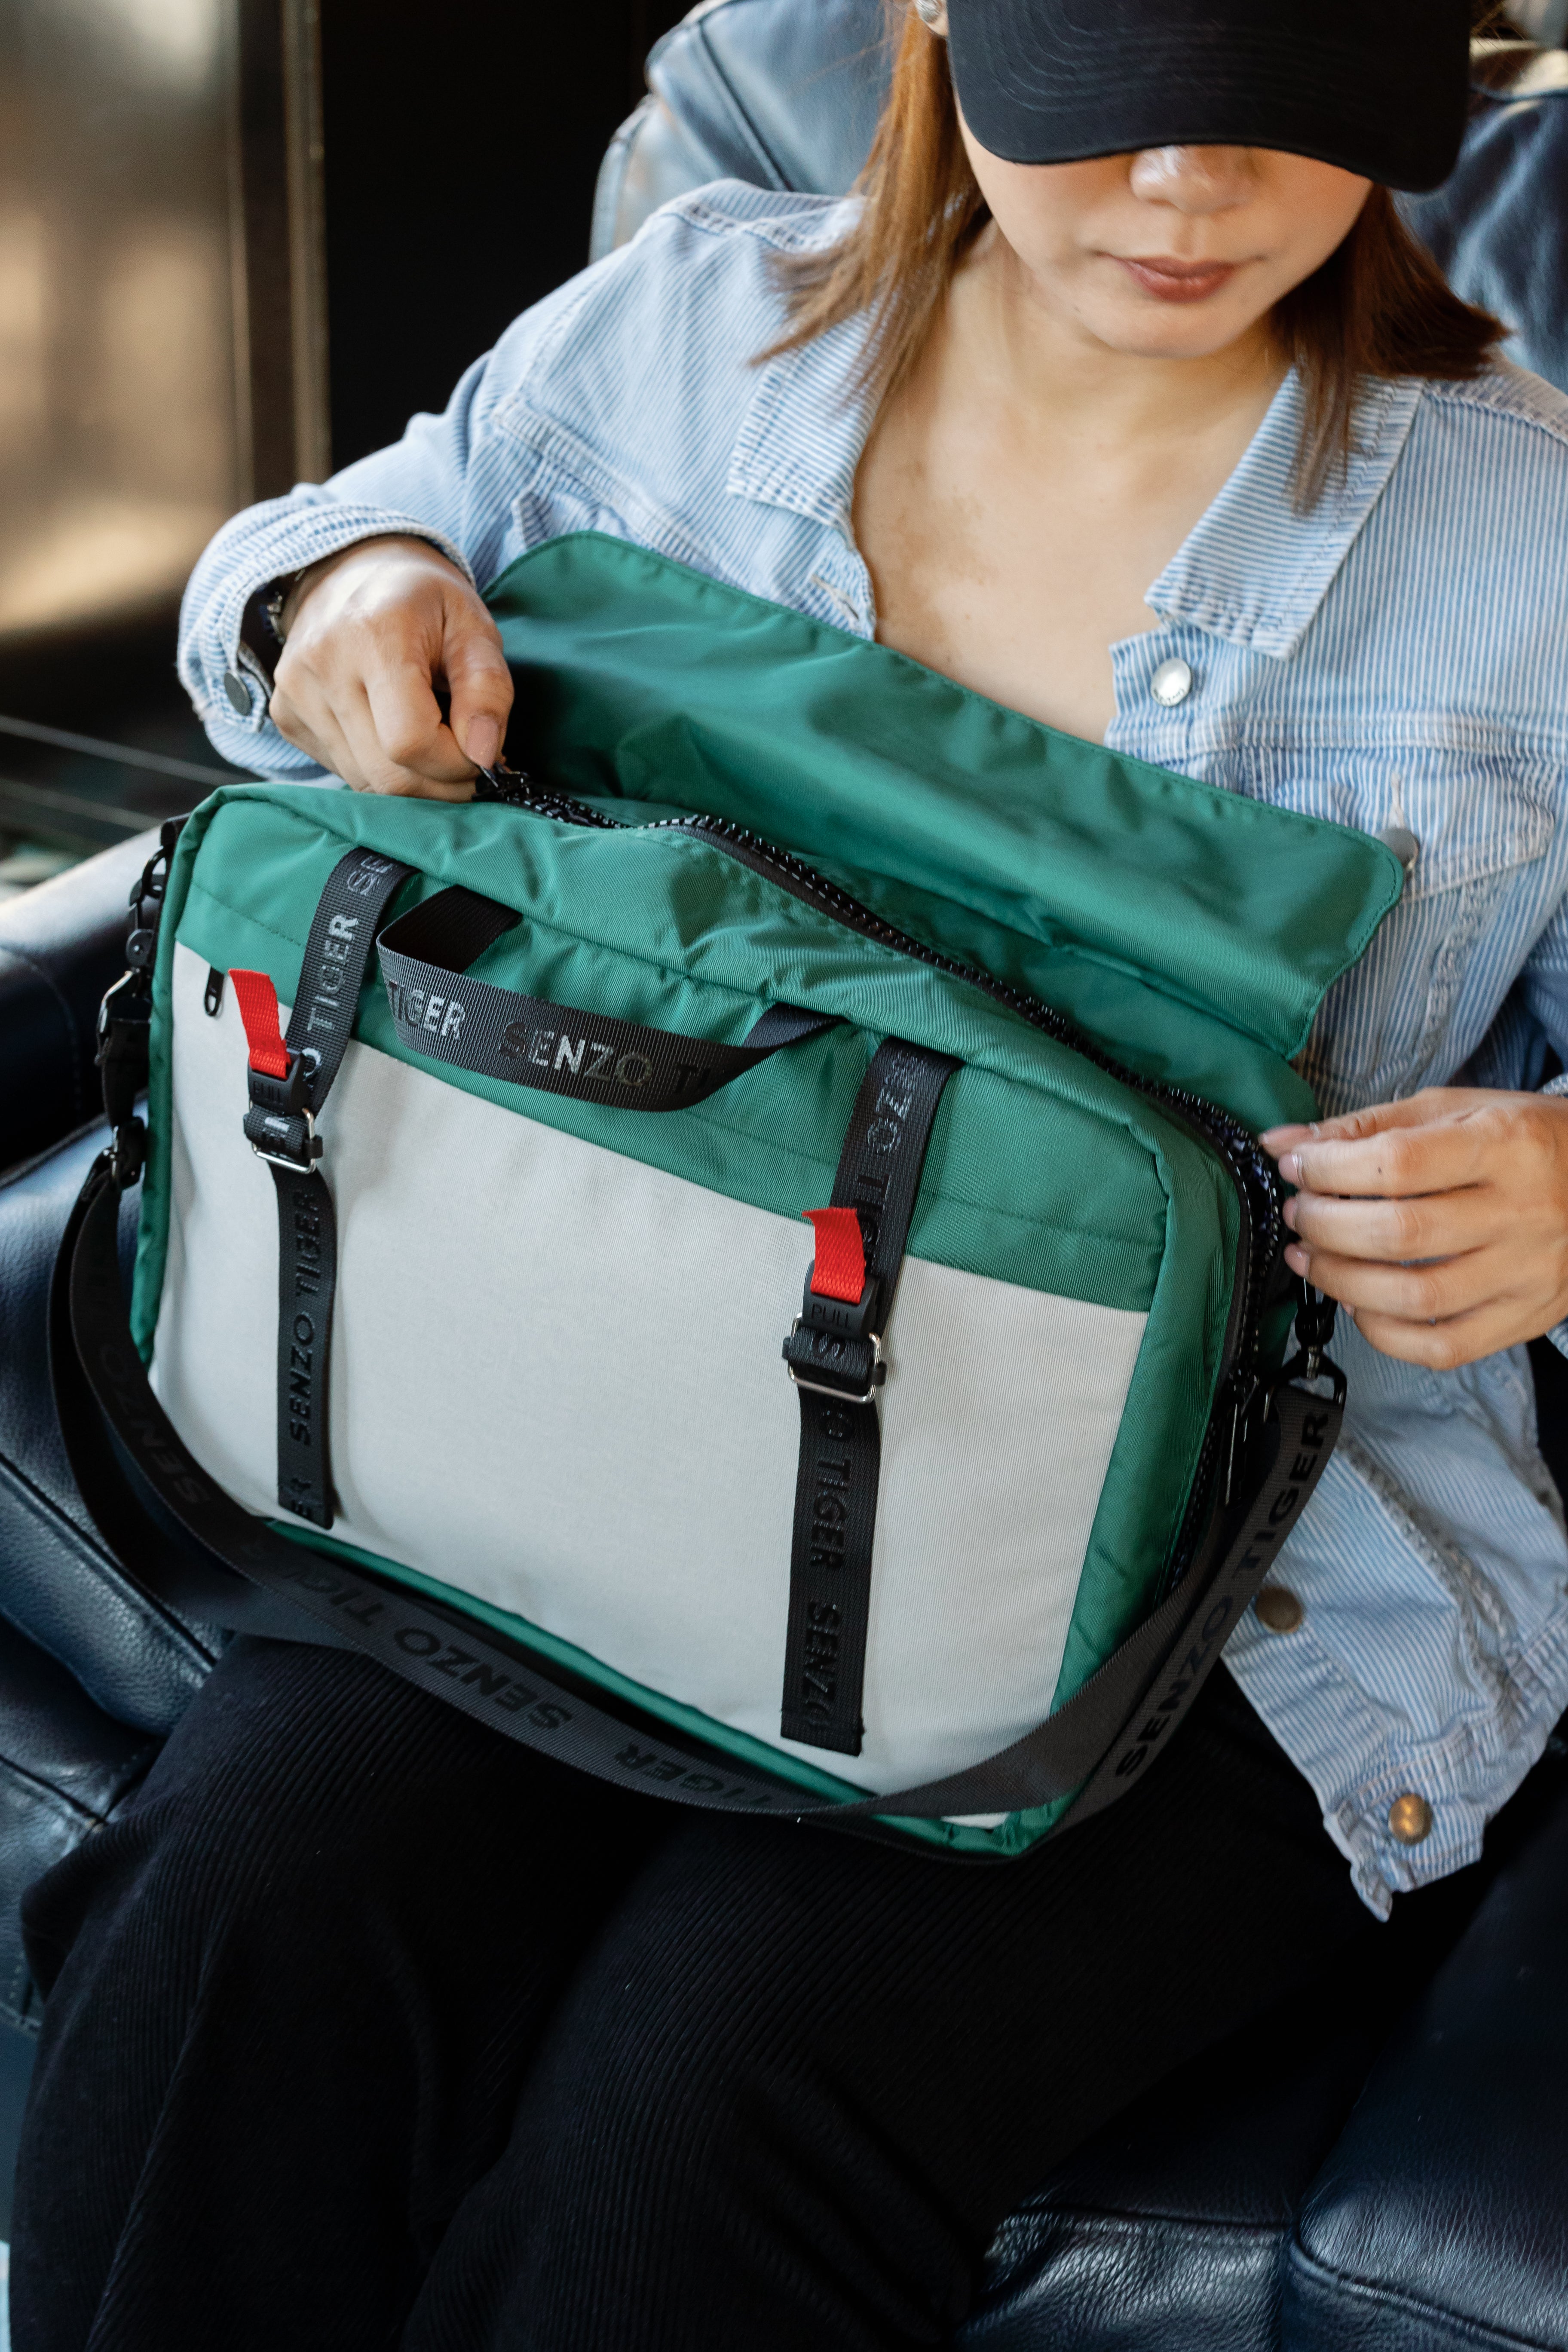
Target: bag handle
528	1041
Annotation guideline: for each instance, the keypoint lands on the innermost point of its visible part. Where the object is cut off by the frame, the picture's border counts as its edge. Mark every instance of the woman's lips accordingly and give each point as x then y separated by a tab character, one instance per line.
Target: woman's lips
1170	280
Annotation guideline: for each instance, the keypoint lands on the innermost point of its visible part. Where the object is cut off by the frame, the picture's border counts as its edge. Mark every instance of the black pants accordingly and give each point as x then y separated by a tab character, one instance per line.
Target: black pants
366	2028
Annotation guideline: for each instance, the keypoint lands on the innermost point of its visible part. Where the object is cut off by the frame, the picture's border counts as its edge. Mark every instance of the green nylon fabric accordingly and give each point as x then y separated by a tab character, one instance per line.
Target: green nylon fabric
1043	1169
1098	883
1192	930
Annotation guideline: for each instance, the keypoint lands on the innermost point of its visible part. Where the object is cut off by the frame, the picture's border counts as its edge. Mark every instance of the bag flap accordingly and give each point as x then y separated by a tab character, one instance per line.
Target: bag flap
642	679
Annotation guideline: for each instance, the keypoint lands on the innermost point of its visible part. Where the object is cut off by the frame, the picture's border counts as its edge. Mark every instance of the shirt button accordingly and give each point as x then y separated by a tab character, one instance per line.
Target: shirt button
1410	1818
1278	1609
239	693
1171	682
1403	842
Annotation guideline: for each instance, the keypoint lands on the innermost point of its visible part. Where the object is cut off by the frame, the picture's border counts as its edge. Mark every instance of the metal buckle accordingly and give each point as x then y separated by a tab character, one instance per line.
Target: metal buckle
127	1154
844	1396
305	1167
137	982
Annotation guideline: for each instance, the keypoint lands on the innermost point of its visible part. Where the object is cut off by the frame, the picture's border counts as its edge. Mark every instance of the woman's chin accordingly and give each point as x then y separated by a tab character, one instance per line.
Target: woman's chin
1151	330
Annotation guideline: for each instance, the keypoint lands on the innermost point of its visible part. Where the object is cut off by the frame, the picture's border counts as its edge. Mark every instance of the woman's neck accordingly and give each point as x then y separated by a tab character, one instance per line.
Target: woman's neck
1025	487
1000	329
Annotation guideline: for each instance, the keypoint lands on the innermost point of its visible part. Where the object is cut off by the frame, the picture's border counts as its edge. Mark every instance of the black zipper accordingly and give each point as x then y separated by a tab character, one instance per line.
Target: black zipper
1251	1172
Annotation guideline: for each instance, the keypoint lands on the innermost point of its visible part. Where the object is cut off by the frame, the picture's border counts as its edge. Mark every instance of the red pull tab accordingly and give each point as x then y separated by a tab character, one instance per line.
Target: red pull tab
840	1268
258	1001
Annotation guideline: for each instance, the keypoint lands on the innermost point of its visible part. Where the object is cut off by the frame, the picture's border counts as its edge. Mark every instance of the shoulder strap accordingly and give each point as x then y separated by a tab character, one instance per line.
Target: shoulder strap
193	1548
834	1356
235	1570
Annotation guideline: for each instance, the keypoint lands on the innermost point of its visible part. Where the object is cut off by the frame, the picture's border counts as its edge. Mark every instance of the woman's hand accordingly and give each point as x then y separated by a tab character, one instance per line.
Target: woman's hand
1440	1222
371	632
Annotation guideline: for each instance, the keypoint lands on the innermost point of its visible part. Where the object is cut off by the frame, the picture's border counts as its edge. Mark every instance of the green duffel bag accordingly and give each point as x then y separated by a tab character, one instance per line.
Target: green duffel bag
742	1261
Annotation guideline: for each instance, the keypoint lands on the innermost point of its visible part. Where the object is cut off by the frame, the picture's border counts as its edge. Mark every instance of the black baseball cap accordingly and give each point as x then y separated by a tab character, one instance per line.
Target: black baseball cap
1378	87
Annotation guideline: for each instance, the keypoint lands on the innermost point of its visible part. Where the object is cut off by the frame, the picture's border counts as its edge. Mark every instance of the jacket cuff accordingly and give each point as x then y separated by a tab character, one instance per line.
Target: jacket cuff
221	664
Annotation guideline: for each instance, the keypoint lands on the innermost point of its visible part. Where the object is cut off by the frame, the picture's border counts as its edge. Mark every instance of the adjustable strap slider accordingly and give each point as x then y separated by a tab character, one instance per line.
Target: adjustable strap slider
279	1125
848	1367
285	1140
128	1153
834	1345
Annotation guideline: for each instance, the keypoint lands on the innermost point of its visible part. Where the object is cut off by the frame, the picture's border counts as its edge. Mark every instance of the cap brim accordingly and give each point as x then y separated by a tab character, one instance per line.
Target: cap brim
1380	88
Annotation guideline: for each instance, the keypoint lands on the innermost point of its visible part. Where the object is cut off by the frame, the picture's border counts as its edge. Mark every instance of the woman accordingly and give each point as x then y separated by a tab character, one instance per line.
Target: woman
366	2028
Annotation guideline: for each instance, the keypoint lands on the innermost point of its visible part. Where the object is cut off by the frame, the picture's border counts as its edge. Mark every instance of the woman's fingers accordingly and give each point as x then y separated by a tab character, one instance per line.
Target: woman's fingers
1432	1157
370	633
1423	1224
1443	1347
311	724
479	682
403	743
1441	1223
1411	1111
1412	1294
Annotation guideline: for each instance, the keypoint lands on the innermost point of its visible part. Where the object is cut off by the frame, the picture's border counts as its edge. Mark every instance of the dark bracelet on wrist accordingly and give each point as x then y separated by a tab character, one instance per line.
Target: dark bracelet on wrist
262	624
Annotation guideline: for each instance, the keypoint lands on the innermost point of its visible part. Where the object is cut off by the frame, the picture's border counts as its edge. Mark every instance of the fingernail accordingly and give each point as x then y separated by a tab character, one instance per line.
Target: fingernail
1290	1167
1289	1213
482	742
1299	1260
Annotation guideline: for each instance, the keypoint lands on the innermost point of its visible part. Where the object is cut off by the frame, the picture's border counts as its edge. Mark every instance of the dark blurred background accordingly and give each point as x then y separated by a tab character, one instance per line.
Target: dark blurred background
240	241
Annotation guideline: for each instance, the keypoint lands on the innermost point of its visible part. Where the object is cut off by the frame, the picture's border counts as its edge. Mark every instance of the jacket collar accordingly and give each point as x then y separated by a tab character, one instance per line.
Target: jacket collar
1253	570
804	428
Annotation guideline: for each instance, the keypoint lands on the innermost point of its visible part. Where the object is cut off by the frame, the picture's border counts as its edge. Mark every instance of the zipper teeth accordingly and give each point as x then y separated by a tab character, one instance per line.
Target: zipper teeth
1248	1166
1246	1163
1235	1144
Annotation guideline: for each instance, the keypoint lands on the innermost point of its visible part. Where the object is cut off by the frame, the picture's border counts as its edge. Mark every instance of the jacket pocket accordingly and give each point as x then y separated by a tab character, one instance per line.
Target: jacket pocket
1481	820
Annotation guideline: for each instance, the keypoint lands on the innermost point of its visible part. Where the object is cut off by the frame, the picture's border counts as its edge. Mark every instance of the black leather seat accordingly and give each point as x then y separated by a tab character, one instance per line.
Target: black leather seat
92	1675
1351	2171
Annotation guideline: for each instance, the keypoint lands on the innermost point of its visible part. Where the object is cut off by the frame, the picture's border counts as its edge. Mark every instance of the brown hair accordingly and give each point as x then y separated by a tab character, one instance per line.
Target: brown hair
1378	307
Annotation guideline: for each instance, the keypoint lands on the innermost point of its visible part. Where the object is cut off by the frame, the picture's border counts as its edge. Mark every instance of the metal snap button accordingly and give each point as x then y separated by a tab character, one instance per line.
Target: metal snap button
239	693
1410	1818
1280	1611
1403	842
1171	682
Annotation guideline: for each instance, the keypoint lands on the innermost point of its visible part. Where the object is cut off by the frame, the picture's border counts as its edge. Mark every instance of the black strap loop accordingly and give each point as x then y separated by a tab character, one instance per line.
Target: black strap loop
500	1033
332	973
835	1359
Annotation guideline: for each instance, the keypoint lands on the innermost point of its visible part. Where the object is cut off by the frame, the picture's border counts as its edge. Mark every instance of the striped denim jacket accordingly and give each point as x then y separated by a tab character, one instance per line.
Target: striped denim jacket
1396	656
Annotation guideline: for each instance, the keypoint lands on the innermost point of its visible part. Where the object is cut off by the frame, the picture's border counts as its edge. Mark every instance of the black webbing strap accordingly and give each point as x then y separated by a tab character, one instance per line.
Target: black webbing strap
280	1126
1104	1738
439	1011
833	1356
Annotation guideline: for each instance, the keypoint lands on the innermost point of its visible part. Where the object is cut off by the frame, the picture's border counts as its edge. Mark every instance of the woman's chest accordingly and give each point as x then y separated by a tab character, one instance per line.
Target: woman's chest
1015	572
1019	601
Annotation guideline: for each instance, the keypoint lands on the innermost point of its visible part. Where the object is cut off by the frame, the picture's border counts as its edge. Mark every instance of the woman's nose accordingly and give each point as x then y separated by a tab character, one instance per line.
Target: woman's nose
1193	179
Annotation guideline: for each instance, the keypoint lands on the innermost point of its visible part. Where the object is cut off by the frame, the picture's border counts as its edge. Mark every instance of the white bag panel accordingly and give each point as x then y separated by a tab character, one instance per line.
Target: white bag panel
556	1385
